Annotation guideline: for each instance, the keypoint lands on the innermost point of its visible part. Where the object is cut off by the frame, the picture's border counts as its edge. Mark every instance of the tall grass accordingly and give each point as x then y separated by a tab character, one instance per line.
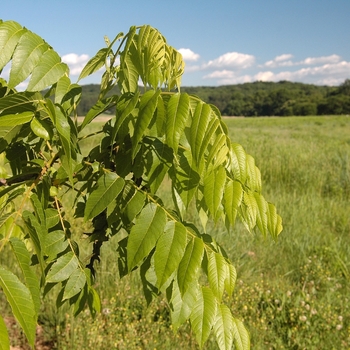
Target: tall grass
291	294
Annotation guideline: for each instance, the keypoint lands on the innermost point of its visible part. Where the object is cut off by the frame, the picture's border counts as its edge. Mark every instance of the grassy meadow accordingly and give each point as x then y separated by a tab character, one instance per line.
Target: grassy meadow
291	294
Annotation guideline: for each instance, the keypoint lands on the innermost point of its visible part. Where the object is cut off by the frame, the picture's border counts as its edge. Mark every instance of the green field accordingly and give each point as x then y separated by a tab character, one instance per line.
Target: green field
291	294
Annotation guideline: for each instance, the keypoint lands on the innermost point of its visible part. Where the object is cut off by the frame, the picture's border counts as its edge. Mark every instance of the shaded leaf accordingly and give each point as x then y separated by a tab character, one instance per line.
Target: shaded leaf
75	284
63	268
41	129
108	187
148	105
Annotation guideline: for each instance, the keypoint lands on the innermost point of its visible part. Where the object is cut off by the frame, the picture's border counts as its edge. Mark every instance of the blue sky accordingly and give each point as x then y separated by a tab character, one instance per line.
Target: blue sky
223	41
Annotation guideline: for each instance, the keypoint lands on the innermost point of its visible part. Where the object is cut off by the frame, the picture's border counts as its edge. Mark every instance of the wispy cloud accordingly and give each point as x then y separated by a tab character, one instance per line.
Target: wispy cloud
285	60
236	68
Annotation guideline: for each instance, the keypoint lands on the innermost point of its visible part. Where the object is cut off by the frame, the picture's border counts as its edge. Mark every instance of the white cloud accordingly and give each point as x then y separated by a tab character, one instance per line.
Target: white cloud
189	55
226	77
219	74
320	60
75	62
327	74
285	61
283	57
234	60
280	61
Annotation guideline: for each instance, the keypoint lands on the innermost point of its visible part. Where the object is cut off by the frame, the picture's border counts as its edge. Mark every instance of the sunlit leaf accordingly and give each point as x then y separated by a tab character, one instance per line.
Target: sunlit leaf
241	337
203	315
223	327
190	264
4	337
149	225
177	114
16	119
21	302
169	251
24	260
27	55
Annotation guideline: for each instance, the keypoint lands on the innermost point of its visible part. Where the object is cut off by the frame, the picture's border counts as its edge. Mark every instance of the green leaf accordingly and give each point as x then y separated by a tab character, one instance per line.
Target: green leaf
190	264
55	243
239	162
148	105
203	315
10	33
214	185
4	337
75	284
47	72
274	223
95	63
63	268
21	302
98	108
149	225
108	187
16	119
223	328
199	128
230	280
182	305
169	251
233	195
177	115
24	261
41	129
125	106
27	55
241	337
210	133
253	174
19	102
217	273
94	301
261	218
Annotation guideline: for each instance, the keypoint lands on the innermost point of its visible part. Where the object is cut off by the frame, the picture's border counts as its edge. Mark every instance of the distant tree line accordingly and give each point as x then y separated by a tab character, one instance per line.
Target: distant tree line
260	98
